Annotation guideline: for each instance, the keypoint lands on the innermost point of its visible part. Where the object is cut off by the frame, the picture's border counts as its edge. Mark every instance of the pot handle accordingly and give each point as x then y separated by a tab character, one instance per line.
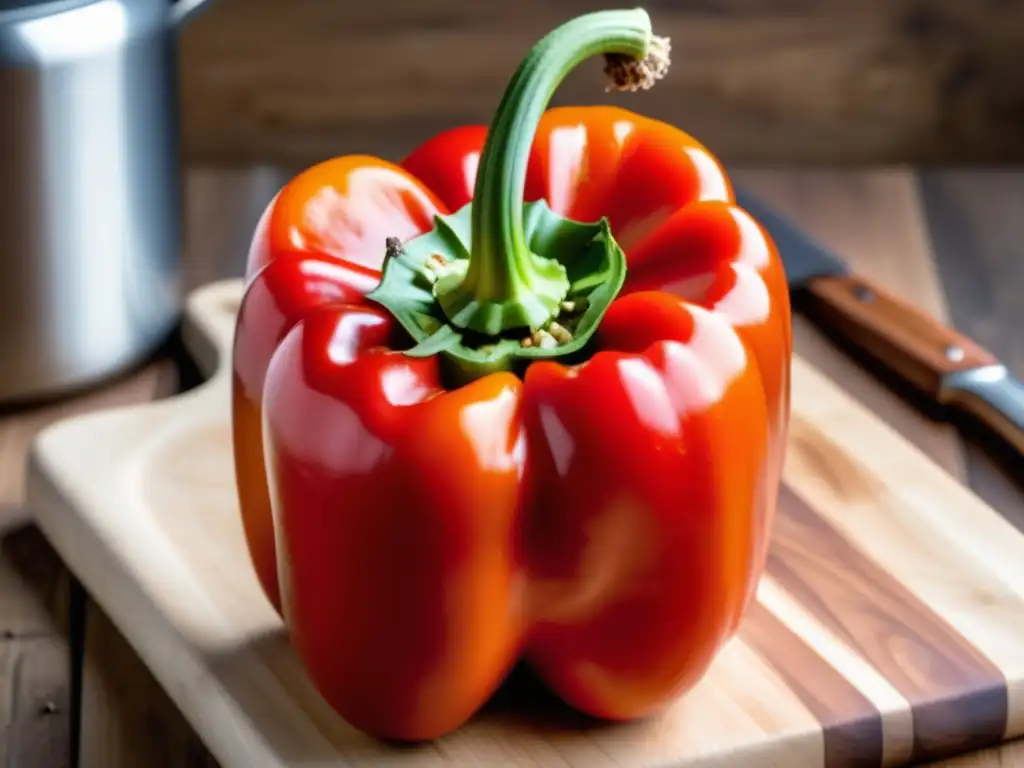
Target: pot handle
182	10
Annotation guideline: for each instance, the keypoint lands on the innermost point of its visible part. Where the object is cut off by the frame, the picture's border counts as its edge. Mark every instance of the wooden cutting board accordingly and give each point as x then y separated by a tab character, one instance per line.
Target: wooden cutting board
889	627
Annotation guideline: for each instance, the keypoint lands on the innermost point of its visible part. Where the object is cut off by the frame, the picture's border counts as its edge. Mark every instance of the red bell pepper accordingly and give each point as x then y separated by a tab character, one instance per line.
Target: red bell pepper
469	430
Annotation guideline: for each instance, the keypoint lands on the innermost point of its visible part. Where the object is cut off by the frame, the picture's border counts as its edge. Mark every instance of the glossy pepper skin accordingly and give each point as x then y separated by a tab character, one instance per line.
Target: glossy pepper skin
607	520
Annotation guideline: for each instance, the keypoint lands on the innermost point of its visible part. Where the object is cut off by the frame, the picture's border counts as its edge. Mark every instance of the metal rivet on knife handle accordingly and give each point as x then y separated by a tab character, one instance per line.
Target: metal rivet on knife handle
954	353
864	293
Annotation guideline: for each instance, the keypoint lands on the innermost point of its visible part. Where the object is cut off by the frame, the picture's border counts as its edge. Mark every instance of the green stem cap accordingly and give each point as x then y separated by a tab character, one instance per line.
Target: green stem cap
489	278
505	285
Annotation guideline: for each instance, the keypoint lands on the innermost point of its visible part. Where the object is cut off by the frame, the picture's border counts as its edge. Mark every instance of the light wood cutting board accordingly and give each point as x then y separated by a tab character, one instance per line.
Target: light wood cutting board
889	627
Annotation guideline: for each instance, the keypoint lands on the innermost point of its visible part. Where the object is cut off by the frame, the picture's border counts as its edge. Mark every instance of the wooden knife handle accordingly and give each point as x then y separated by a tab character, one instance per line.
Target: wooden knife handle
898	335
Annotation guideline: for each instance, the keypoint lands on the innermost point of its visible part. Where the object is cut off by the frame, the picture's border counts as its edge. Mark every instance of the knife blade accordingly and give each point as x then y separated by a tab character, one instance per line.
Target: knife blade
939	362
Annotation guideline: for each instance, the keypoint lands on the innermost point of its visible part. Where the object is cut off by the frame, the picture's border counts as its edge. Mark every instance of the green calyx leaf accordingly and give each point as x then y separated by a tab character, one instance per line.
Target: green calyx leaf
591	259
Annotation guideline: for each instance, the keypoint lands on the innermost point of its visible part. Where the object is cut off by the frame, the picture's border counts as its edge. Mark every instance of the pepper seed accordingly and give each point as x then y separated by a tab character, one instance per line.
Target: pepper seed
561	334
544	340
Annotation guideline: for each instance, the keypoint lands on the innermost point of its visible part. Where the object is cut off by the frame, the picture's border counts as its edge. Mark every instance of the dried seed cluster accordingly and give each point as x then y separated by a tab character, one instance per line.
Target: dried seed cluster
556	333
628	74
436	265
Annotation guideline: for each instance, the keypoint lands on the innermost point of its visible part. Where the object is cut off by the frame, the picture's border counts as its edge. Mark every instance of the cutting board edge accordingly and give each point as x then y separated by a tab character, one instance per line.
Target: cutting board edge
162	647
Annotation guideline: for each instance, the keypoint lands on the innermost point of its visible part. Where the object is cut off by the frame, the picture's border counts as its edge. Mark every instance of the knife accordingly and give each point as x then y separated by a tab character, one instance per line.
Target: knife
943	365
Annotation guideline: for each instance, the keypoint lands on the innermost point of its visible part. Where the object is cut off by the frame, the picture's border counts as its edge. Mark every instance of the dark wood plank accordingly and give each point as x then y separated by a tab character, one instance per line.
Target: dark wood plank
34	704
852	725
976	221
128	720
34	584
1010	755
876	81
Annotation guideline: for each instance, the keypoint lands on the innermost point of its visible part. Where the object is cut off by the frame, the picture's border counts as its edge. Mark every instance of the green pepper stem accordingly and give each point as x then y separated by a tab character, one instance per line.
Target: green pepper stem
505	285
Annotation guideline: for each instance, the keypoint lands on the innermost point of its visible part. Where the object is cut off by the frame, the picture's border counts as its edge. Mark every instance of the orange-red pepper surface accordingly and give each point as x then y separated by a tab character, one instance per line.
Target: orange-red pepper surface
605	518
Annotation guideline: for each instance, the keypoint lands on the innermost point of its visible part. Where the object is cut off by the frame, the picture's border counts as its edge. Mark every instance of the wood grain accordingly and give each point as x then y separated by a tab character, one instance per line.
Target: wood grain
852	727
925	532
148	518
917	652
128	719
1010	755
34	704
793	81
33	586
892	332
35	663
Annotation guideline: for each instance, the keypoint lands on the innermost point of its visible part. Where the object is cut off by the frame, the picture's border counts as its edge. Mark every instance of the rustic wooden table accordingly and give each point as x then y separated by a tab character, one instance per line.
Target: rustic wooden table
70	684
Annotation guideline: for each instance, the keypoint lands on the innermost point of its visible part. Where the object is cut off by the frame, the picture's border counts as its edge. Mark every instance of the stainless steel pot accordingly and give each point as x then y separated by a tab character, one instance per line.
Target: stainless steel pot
90	189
